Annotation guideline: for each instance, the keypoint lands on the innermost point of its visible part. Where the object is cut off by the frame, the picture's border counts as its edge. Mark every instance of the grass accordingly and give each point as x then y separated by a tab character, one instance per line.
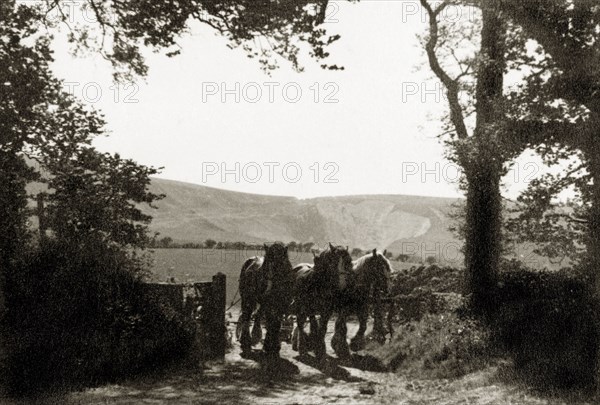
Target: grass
438	346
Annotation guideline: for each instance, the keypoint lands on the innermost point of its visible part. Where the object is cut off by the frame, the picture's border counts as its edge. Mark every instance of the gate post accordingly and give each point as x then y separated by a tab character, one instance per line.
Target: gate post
218	328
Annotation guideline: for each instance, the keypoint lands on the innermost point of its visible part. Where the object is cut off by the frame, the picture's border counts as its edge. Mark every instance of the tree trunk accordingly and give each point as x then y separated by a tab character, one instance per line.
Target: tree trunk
483	228
483	169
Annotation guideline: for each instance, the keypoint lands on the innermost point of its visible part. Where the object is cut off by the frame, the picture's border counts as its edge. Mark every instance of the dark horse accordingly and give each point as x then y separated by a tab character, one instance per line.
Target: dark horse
315	291
370	276
266	281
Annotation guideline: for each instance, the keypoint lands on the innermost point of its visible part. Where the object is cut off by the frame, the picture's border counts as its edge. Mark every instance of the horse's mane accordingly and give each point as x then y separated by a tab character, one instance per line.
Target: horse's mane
362	261
369	256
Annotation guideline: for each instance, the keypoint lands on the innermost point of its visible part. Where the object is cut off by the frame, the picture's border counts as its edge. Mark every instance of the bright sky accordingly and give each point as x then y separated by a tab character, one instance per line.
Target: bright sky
378	136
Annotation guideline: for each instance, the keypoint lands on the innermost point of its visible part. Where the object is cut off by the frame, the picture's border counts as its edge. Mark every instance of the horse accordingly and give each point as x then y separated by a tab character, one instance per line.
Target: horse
370	273
315	289
266	282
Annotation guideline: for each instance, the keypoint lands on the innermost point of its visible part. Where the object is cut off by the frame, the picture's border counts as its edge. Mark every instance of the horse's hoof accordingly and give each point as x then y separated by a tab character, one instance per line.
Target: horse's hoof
357	345
321	350
340	346
342	352
246	348
256	336
302	349
270	355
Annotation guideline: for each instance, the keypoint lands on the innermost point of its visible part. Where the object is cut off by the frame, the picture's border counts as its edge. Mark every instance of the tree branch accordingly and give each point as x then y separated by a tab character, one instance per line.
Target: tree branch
456	113
523	134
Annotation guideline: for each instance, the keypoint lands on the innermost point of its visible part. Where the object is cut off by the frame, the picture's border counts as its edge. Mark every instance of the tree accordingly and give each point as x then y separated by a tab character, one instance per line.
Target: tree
38	120
165	242
93	197
307	246
357	252
562	119
402	258
24	74
478	151
210	243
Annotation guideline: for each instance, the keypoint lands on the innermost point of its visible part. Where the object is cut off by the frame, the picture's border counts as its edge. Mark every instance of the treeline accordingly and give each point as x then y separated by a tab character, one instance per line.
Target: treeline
168	243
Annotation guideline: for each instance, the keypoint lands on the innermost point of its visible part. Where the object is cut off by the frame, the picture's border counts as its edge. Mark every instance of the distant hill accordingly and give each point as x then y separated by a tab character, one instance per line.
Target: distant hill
400	223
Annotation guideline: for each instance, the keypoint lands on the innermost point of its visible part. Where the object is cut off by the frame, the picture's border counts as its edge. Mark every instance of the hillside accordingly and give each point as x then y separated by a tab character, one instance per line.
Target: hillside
401	223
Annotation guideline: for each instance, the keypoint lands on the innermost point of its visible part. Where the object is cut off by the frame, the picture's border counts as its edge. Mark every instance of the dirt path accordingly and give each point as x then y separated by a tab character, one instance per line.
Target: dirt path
303	381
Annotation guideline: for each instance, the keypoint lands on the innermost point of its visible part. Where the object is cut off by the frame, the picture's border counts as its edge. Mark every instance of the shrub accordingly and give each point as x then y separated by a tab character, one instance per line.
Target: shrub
437	346
81	316
547	321
428	278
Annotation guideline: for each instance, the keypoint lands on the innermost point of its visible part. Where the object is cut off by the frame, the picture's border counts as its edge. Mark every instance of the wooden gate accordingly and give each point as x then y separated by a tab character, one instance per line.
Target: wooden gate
204	304
207	307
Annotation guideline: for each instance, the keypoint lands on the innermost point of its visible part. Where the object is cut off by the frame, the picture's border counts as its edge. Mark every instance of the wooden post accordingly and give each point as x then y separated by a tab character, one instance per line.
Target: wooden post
218	331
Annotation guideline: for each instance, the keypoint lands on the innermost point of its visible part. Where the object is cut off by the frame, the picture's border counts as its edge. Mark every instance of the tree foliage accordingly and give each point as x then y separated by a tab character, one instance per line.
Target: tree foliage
557	112
265	29
91	195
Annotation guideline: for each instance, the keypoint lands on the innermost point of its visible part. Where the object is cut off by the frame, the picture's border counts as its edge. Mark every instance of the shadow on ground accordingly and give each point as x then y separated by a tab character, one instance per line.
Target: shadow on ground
256	378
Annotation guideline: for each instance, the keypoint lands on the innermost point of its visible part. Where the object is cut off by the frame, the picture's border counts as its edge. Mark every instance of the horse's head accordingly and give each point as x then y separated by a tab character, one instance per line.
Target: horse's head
336	262
381	271
277	263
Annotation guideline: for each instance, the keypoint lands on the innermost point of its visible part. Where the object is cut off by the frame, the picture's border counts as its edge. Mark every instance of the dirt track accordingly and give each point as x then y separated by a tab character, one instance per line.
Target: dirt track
303	381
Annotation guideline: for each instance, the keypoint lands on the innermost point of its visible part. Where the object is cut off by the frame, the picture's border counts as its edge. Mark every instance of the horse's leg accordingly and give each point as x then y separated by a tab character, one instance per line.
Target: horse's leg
390	318
379	331
338	342
272	344
300	320
358	341
244	322
257	327
321	349
314	332
295	336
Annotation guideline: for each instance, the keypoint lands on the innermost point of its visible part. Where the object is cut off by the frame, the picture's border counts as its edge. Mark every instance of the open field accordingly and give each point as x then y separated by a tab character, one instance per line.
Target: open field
190	265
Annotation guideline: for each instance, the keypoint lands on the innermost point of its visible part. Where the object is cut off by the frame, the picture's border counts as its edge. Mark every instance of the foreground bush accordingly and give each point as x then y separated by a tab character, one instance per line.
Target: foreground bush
547	322
437	346
431	278
81	316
